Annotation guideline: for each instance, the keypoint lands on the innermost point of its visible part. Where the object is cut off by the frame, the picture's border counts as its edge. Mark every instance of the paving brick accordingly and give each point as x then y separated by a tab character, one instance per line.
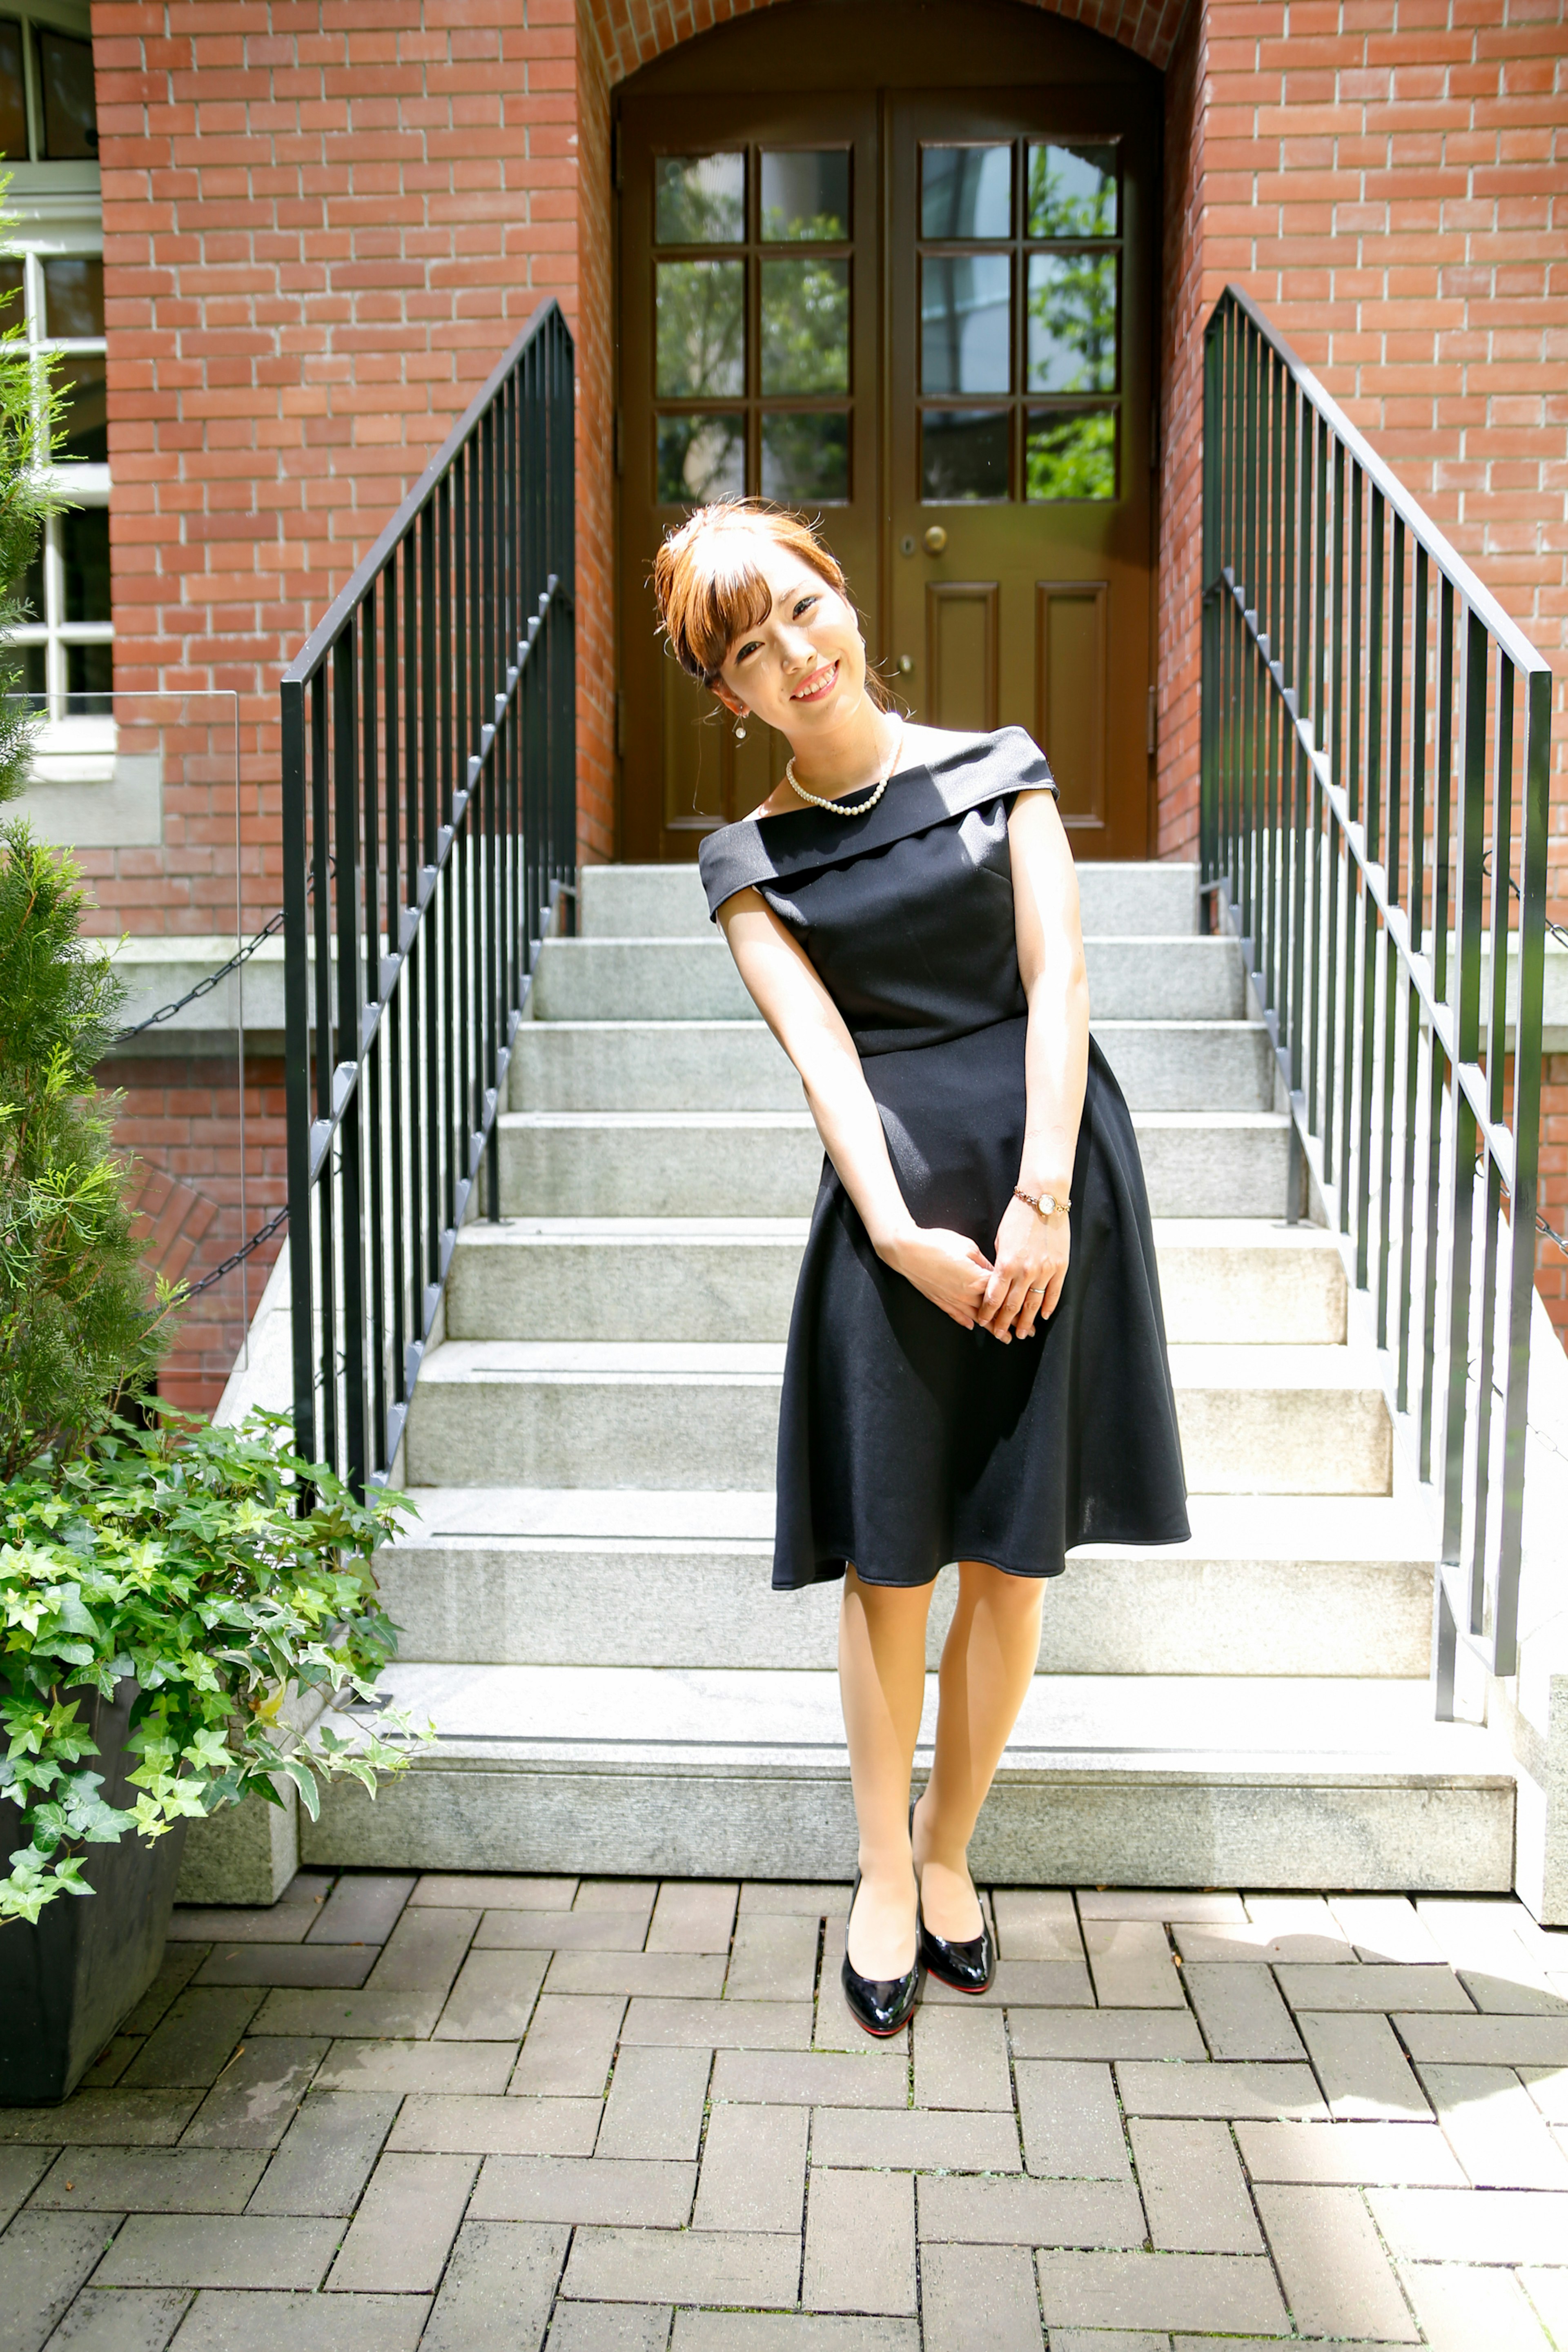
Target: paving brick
477	1890
617	2327
1029	2212
1223	2091
838	2033
1071	2123
122	2319
810	2078
570	2043
1036	1924
103	2118
1522	1995
654	2107
175	1970
288	1964
961	2059
277	1923
1371	1987
303	2323
1548	2292
1383	1928
1258	1946
1498	2132
447	2122
327	2153
238	2250
977	2299
1221	2293
150	2180
1104	2033
1293	1915
399	2238
1337	2278
1132	1963
194	2041
721	2266
720	2024
363	1907
401	2066
44	2258
498	2287
1484	2225
754	2169
1477	1931
111	2061
1093	2340
559	1931
1485	2040
826	1900
859	2242
493	1997
762	2331
616	1895
1365	2076
424	1952
1351	2155
1165	1903
369	2013
1240	2011
632	2191
1548	2086
914	2141
254	2097
693	1916
774	1957
21	2169
1193	2188
683	1974
1461	2309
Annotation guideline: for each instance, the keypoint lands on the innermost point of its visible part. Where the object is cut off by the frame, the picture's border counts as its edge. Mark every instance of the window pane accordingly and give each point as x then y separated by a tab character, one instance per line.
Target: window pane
70	110
702	328
11	277
1069	453
85	425
699	199
84	556
805	326
964	454
700	458
31	585
1072	322
13	94
1072	190
89	681
806	194
806	459
966	323
73	298
34	672
966	191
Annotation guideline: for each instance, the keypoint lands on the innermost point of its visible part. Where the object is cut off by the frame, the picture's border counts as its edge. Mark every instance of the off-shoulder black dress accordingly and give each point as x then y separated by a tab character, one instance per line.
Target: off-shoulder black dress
905	1440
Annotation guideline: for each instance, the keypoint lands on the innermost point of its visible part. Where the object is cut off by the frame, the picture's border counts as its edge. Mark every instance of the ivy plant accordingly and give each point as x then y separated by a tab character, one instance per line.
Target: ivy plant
221	1574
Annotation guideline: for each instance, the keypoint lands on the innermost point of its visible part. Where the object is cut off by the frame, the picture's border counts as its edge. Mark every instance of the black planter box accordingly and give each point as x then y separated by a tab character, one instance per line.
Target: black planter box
68	1983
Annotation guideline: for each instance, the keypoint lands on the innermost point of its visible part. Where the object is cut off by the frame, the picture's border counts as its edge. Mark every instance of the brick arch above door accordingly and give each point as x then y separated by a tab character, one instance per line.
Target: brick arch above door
632	33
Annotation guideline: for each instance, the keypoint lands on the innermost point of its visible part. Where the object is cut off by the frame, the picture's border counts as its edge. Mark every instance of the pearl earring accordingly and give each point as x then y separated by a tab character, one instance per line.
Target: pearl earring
739	730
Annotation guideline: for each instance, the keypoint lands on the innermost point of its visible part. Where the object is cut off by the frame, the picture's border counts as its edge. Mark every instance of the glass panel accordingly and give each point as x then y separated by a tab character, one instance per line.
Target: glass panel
806	459
85	419
70	110
805	326
30	587
702	314
699	199
84	554
806	194
89	681
700	458
966	191
73	298
966	323
964	454
1069	453
1072	322
1071	191
13	94
11	279
34	673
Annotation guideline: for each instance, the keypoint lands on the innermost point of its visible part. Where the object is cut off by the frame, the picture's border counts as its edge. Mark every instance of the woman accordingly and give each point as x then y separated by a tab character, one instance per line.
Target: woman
976	1366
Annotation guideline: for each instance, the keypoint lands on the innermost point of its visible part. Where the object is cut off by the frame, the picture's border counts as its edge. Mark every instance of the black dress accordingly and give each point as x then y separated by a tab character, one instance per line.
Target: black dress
906	1442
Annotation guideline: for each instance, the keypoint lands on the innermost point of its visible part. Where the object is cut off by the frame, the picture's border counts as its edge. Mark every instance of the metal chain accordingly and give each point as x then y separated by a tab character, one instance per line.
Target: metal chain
268	930
274	1224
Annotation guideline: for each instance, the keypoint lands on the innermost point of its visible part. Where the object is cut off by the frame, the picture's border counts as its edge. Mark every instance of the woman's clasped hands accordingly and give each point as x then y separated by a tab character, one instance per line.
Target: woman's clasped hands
1009	1296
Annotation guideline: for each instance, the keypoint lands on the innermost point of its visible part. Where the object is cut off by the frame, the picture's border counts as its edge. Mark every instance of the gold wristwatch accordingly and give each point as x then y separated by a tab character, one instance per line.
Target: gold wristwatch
1045	1204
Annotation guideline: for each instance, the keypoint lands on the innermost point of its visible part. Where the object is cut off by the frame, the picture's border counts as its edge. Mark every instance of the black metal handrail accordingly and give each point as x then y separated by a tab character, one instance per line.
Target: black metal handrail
429	834
1362	694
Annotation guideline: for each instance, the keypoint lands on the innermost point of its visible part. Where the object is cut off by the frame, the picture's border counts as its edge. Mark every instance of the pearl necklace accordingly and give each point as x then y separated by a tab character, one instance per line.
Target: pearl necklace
836	808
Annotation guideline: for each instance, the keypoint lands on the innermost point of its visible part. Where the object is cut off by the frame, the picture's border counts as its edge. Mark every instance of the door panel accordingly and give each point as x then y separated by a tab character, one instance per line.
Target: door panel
961	653
1073	686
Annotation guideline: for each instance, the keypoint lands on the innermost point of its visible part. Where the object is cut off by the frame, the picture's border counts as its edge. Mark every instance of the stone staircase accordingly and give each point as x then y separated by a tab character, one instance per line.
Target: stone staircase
585	1599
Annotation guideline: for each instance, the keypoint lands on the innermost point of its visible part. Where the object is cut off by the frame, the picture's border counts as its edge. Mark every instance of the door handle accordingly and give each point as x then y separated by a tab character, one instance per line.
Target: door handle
904	664
935	540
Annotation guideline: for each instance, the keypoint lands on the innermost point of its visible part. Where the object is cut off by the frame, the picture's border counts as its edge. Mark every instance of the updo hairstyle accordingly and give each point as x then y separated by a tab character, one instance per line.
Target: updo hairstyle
709	591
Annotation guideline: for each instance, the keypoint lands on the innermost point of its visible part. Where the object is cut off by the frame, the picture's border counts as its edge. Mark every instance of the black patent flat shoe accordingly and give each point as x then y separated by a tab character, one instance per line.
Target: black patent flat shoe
966	1967
882	2005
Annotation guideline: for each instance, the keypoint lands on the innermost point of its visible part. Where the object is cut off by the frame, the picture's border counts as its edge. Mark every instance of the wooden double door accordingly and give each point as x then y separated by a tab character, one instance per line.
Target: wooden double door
926	315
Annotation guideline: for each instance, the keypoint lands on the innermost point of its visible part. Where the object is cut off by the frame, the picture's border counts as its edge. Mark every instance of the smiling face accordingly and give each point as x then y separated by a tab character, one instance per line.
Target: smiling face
802	667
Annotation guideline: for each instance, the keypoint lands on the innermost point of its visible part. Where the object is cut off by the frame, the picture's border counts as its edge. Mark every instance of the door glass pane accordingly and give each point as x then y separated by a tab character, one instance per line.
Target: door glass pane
1072	322
700	308
89	681
73	298
35	673
806	459
964	454
1069	453
84	554
699	199
70	109
966	336
805	326
85	385
805	193
700	458
1071	191
966	191
13	94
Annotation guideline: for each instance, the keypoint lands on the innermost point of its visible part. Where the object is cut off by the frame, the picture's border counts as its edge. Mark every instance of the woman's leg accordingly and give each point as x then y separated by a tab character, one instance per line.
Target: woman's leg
987	1662
881	1679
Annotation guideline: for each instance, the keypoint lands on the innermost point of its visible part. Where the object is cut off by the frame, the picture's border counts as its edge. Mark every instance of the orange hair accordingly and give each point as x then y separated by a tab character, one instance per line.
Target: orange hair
707	593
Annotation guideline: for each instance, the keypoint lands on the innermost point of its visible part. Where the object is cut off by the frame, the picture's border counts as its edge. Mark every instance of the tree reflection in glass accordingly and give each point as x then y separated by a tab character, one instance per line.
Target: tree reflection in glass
700	458
1069	453
1071	191
700	308
805	326
1071	323
699	199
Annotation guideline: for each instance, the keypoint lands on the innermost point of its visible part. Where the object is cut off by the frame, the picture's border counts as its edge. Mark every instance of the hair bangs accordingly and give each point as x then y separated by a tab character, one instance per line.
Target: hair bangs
727	595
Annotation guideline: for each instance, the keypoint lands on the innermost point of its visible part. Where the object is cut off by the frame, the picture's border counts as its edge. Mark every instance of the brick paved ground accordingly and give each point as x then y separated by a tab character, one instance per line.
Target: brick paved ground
511	2112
